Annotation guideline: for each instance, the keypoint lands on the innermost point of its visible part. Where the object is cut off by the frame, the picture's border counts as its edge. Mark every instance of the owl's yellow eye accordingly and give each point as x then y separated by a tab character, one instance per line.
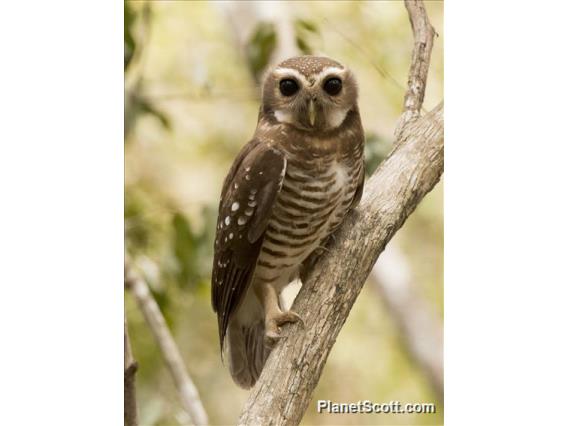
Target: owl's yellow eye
332	86
288	87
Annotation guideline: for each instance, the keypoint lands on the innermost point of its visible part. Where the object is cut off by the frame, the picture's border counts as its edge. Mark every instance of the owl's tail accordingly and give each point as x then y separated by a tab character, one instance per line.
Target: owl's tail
246	352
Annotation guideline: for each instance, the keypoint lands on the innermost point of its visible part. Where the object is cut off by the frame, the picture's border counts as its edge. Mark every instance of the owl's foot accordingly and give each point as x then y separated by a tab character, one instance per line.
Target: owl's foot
272	326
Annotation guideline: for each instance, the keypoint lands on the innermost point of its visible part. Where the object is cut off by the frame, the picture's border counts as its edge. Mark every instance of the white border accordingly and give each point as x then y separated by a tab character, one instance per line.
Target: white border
61	226
506	315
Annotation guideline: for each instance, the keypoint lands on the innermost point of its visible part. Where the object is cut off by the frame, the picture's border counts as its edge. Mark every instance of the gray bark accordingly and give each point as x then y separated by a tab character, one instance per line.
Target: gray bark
423	33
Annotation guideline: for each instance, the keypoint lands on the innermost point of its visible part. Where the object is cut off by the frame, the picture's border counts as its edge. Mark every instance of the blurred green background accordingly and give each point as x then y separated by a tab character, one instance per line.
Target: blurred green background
191	102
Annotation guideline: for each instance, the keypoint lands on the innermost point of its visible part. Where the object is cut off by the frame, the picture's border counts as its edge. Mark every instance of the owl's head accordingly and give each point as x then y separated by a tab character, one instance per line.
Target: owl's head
310	93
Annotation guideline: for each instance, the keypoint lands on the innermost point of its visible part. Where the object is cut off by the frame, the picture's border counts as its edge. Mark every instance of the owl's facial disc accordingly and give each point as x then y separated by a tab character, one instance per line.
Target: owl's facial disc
316	101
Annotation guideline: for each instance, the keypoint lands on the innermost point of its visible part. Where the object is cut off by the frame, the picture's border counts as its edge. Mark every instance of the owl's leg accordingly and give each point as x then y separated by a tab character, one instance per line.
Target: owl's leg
274	317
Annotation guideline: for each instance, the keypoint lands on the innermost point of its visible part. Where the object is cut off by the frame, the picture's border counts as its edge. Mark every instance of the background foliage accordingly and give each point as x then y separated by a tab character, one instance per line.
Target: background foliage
191	102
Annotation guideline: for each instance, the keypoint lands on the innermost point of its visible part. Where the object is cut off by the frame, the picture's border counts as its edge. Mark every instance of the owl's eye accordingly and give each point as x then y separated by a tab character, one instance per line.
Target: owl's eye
332	86
288	87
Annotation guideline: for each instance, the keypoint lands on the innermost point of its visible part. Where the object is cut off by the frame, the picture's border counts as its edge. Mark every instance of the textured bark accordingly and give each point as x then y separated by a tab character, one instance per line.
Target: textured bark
423	33
187	391
284	390
130	367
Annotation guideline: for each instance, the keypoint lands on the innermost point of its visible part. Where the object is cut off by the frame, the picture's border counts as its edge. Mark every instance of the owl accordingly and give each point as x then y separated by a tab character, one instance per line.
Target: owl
287	191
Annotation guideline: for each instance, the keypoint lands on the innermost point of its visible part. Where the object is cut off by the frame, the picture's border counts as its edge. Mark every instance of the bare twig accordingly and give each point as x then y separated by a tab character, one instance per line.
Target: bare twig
413	168
187	390
130	367
421	332
423	33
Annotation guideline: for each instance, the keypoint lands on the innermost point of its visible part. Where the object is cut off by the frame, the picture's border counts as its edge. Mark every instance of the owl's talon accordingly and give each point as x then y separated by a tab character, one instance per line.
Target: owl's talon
292	317
287	317
273	323
271	338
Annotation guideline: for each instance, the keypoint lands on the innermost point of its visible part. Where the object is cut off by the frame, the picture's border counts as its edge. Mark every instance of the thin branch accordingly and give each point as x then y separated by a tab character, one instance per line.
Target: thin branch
130	367
423	33
292	371
421	332
187	390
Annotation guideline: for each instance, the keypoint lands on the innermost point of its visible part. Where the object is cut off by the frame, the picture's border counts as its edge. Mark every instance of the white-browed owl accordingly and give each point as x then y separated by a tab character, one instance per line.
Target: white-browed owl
288	189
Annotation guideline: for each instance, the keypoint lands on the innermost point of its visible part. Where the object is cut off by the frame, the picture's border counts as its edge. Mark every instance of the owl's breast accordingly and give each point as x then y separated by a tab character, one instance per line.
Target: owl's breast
313	201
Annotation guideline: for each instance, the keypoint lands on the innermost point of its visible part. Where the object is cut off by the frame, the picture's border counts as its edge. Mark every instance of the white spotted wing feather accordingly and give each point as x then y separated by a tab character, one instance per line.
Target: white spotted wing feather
247	199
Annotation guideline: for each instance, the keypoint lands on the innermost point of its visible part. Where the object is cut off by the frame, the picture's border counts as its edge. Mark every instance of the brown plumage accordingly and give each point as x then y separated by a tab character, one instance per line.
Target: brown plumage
288	189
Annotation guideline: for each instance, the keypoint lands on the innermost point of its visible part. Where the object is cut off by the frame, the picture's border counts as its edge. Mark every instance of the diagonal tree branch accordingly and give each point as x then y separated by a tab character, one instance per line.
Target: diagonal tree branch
188	392
413	168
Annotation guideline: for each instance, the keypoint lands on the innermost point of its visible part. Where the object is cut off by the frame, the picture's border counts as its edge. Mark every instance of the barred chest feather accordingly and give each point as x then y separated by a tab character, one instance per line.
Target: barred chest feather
315	196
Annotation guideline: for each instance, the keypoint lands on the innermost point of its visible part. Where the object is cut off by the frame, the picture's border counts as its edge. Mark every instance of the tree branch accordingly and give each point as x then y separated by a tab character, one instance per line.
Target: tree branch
423	33
130	367
413	168
188	392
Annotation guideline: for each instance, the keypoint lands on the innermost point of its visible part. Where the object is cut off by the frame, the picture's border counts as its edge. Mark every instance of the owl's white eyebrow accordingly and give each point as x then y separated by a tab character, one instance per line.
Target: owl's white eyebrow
329	71
287	72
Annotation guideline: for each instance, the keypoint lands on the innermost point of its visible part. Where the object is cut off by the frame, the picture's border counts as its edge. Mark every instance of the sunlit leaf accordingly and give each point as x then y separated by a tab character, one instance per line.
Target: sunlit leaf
304	30
147	107
303	46
135	106
307	25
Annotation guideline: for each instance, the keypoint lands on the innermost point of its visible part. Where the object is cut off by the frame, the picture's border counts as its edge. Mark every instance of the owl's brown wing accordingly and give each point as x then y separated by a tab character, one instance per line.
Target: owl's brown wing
247	199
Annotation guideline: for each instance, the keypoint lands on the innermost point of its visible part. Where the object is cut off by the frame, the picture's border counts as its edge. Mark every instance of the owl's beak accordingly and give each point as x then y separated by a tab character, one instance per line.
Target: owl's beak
312	112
